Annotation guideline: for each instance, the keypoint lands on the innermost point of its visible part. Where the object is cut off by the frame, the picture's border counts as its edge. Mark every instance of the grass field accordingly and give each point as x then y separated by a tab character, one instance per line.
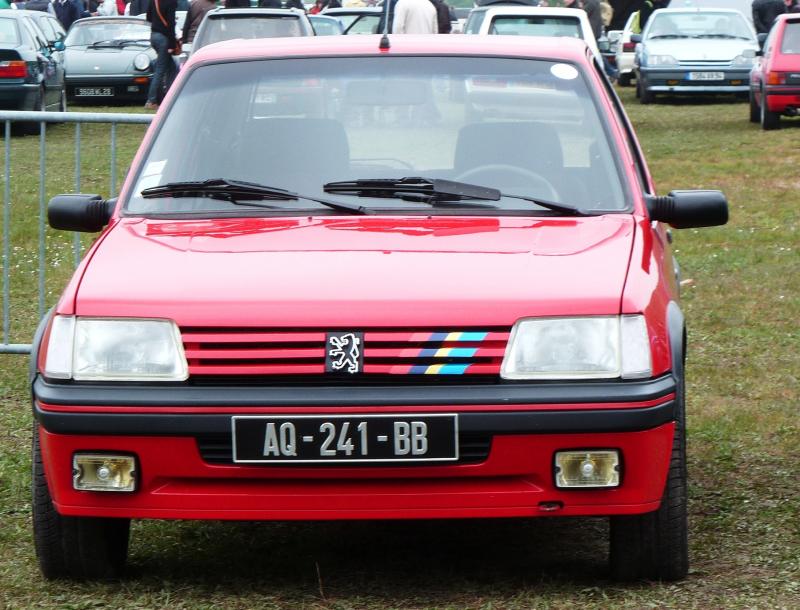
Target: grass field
742	303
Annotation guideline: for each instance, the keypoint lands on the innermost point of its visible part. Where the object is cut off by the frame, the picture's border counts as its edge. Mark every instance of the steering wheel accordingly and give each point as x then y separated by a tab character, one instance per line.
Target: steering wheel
541	186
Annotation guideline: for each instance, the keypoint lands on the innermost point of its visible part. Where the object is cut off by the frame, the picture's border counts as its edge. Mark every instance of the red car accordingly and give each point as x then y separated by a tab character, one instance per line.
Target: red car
373	307
775	77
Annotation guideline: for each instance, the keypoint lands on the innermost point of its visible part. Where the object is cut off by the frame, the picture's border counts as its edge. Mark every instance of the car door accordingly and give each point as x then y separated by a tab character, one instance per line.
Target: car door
55	35
48	67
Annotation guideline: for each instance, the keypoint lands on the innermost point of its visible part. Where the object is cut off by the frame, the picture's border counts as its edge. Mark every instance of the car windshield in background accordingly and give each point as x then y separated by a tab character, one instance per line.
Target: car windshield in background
8	32
524	127
695	24
87	33
536	26
219	29
791	38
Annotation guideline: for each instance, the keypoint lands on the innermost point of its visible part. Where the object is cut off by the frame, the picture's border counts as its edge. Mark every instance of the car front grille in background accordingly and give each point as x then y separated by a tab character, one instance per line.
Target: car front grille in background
217	449
706	63
267	353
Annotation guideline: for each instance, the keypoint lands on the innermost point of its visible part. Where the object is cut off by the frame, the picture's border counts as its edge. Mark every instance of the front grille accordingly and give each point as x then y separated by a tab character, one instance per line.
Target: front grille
260	352
218	449
706	63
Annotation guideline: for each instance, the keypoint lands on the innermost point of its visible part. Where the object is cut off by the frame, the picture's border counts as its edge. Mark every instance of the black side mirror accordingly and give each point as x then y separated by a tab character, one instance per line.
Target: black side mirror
78	212
636	38
690	209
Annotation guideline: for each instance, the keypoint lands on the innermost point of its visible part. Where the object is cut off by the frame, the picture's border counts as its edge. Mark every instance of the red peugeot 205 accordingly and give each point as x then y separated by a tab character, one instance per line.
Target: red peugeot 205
351	282
775	77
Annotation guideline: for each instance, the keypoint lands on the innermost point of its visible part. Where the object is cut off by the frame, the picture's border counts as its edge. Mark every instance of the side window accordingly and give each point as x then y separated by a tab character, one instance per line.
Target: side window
61	33
769	42
474	22
47	28
36	34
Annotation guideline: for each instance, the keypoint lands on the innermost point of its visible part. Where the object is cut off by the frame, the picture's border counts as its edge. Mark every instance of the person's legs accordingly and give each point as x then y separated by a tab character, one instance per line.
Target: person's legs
159	43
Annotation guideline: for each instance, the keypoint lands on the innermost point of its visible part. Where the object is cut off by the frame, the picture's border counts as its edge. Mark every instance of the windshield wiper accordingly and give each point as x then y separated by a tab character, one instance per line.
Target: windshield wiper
436	192
140	42
239	192
112	44
667	36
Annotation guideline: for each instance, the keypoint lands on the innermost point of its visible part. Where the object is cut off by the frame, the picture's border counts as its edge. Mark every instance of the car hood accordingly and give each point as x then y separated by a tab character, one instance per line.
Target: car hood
82	60
376	271
697	49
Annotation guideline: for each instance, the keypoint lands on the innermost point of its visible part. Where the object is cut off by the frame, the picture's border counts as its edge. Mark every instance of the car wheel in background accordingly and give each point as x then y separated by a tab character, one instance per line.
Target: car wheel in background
769	119
645	96
624	80
39	105
755	114
656	545
74	547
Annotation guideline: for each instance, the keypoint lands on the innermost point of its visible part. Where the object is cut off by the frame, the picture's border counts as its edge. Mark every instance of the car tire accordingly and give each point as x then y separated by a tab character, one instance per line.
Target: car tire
624	80
645	96
655	545
80	548
39	105
755	112
769	120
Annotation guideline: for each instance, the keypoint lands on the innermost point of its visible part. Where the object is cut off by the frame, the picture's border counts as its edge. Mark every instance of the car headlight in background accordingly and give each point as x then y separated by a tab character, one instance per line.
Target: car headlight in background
661	60
141	62
598	347
743	61
115	349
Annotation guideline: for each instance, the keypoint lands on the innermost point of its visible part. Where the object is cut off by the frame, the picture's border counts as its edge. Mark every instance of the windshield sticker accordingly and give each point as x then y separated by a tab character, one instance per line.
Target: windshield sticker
564	71
154	167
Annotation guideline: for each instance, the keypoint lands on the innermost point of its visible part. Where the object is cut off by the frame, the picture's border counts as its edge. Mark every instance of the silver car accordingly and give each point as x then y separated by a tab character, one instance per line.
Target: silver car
690	51
108	59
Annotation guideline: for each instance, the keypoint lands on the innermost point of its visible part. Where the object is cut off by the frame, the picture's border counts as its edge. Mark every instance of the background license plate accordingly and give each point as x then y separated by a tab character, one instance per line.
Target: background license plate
706	76
95	91
302	439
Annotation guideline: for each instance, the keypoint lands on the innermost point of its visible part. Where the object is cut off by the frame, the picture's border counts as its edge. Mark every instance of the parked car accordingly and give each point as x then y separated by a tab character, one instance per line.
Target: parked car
694	51
109	59
357	20
326	26
625	53
475	17
31	74
510	20
222	24
297	317
775	78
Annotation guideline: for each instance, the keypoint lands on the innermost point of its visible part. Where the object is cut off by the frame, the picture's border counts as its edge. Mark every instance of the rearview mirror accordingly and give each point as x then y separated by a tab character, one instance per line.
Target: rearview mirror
78	212
59	45
690	209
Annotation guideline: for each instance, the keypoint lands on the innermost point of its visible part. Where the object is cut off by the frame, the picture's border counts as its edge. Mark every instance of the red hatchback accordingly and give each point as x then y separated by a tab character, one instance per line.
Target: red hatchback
775	77
441	288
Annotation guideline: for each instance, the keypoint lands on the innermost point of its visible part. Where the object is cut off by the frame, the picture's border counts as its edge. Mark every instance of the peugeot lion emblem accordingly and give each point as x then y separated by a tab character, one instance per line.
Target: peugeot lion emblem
344	352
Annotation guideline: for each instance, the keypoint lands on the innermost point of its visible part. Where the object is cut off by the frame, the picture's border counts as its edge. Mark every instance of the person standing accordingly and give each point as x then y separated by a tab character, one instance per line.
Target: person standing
138	7
443	22
107	8
792	6
67	12
765	12
194	17
239	3
592	9
414	17
161	15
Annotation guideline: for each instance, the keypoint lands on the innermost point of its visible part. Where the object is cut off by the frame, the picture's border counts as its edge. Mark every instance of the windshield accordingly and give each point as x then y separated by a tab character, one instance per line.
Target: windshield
325	27
698	25
536	26
8	32
223	28
83	34
525	127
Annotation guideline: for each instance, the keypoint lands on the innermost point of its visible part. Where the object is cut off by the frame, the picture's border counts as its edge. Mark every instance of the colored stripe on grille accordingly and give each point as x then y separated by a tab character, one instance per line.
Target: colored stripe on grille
259	351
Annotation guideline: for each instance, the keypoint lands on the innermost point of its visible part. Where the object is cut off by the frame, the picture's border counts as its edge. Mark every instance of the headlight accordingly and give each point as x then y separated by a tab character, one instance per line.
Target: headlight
743	61
602	347
661	60
115	349
141	61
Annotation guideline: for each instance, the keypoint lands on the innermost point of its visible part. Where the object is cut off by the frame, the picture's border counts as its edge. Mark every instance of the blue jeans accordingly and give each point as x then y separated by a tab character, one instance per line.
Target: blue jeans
165	66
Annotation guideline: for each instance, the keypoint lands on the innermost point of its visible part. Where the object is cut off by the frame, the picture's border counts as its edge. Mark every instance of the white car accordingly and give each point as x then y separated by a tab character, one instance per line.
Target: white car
625	53
514	20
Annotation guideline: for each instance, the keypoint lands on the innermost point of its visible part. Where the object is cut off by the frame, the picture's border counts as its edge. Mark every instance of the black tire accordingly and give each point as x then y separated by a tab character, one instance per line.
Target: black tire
645	96
769	120
81	548
39	105
655	545
755	112
624	80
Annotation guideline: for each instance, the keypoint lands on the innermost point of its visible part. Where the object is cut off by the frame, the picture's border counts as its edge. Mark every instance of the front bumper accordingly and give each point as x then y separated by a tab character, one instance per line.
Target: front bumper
676	80
525	426
106	89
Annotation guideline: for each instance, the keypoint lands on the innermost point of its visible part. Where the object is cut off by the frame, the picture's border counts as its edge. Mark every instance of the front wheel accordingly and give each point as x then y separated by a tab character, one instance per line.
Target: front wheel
645	96
624	80
656	545
81	548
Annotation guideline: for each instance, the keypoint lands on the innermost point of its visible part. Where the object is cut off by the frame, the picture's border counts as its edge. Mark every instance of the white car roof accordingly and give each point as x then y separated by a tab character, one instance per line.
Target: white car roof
539	11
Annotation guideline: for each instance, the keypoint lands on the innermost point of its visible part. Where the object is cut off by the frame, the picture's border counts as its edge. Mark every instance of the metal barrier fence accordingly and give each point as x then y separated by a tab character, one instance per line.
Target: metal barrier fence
78	118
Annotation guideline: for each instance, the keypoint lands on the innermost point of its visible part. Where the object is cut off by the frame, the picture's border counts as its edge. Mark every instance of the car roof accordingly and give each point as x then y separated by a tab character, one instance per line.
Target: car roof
353	10
221	13
555	49
549	11
111	19
692	9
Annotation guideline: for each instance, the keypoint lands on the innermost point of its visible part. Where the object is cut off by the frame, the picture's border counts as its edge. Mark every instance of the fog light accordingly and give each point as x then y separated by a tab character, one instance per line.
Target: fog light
587	468
98	472
673	82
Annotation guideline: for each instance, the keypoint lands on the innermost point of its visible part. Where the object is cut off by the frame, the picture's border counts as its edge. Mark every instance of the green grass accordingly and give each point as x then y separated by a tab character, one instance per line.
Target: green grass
742	303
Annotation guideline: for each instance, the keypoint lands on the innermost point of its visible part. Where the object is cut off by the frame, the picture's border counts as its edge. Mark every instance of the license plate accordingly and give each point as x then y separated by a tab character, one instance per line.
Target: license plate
706	76
94	91
306	439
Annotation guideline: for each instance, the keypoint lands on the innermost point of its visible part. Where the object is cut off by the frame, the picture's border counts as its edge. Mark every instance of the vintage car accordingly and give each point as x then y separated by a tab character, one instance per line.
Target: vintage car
326	26
775	78
109	59
694	51
411	315
356	19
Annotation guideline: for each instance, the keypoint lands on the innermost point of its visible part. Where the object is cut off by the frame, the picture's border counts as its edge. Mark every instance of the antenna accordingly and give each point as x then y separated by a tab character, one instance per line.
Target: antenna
384	43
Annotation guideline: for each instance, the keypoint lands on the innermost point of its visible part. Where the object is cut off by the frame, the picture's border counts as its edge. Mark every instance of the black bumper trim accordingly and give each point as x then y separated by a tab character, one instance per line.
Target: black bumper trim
526	422
131	395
